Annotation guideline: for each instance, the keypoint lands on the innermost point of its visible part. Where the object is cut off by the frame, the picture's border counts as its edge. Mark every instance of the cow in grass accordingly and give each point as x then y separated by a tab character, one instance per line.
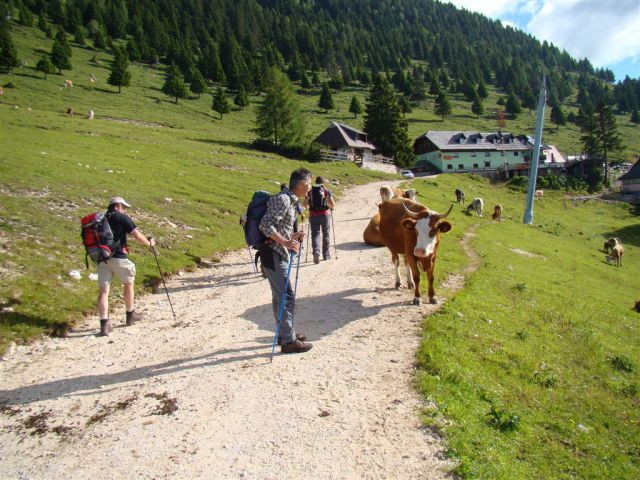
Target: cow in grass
497	213
387	193
476	206
459	196
610	243
410	229
616	255
539	193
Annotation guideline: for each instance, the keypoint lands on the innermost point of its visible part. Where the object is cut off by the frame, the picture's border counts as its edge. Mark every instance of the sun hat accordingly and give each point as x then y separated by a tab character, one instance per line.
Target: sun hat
121	200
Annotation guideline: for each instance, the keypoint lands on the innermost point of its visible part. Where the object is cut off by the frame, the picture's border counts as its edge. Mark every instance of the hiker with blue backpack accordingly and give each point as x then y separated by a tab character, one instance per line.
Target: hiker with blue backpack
114	260
282	241
320	203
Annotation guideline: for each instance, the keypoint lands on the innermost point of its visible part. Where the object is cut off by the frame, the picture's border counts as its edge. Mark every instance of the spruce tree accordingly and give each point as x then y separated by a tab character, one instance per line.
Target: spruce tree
635	117
482	90
405	106
42	22
442	105
242	98
607	133
174	85
119	76
45	66
220	103
198	84
477	107
99	42
25	17
384	125
79	37
557	115
355	107
315	79
513	106
8	53
59	56
326	99
305	84
279	118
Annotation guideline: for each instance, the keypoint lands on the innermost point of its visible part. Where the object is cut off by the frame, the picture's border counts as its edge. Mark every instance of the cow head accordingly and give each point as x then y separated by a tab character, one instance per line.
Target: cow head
427	225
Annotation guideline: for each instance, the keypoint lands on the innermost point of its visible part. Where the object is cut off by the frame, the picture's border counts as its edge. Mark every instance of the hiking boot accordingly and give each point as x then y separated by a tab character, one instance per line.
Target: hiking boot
299	336
296	347
133	317
105	328
316	258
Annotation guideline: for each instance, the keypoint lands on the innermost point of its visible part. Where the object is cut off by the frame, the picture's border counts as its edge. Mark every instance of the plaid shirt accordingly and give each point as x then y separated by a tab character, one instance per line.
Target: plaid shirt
280	217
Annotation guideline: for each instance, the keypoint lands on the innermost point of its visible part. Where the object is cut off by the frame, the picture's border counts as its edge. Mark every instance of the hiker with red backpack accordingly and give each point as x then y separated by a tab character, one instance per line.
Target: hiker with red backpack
117	263
320	203
277	252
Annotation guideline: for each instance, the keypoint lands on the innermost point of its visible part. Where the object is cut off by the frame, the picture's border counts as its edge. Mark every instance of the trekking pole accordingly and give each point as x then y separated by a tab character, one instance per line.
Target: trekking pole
163	283
284	295
335	247
306	258
253	264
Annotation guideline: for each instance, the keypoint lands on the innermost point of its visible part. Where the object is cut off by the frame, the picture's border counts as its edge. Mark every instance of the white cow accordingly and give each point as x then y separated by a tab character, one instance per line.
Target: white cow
477	205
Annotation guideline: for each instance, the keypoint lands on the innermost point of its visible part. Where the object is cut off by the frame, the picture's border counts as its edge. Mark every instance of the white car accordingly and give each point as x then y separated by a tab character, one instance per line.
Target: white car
407	174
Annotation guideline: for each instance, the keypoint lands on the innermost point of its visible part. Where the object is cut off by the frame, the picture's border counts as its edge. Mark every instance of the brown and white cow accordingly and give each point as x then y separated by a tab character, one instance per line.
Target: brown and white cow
387	193
497	213
371	234
410	229
476	206
616	255
610	243
539	193
68	84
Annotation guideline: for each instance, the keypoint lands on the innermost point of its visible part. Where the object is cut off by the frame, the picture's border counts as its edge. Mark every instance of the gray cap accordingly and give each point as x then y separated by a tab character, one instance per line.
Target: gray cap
121	200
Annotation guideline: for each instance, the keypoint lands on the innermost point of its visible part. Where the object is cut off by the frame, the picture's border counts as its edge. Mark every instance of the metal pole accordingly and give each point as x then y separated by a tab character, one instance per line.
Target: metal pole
535	154
163	283
306	258
335	248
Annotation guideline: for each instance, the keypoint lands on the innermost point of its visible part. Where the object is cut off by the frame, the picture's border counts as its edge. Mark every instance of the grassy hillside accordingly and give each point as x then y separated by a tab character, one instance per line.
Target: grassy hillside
543	333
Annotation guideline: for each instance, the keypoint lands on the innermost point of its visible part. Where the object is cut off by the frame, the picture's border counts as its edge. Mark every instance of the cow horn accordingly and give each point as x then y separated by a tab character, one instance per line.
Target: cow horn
445	215
409	212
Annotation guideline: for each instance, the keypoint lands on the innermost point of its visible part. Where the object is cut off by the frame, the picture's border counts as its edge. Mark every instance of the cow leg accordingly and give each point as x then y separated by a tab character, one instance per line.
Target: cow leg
396	263
412	268
410	283
429	266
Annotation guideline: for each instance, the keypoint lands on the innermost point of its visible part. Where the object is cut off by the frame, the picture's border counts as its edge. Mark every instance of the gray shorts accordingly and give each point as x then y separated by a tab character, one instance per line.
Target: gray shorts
123	268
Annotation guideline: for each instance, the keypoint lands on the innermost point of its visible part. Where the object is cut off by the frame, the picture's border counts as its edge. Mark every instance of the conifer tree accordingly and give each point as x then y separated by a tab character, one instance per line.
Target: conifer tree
442	105
279	119
355	107
304	82
477	106
99	42
8	53
384	125
198	84
513	106
120	75
242	98
25	17
45	66
42	22
220	103
482	90
59	56
635	117
326	99
79	37
315	79
174	85
405	106
557	115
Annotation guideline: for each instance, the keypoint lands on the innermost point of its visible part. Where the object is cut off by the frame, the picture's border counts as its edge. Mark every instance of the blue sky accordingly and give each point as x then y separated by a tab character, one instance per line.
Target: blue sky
607	32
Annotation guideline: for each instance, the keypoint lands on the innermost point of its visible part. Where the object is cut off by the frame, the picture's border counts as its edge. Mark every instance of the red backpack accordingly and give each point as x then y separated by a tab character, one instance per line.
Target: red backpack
97	237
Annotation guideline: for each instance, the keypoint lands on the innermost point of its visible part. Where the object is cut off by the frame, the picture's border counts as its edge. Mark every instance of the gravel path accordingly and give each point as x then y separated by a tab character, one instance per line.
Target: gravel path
198	398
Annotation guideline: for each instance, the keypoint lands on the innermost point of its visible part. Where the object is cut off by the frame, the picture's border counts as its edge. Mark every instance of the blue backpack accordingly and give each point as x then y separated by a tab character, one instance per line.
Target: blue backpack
255	211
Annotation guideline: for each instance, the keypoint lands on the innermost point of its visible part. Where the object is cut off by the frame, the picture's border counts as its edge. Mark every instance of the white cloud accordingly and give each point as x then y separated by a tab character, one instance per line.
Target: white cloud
490	8
604	31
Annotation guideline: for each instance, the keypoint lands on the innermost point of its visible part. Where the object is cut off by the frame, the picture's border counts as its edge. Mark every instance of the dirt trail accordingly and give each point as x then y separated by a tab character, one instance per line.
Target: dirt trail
199	398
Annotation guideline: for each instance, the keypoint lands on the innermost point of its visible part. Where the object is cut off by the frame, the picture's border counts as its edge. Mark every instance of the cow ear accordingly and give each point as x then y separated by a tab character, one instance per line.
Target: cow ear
409	223
444	226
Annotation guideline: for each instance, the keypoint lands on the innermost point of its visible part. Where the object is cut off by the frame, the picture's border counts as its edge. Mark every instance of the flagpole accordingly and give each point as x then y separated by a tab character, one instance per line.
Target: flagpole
535	155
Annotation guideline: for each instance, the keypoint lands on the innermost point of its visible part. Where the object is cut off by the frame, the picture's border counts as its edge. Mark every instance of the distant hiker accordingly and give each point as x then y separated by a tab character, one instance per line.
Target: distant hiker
119	264
277	225
320	203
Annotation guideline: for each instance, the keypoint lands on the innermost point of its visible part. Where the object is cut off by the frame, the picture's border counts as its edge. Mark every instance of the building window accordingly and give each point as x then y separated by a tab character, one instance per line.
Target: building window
439	155
456	155
475	165
515	154
487	163
502	153
487	154
449	166
473	155
460	166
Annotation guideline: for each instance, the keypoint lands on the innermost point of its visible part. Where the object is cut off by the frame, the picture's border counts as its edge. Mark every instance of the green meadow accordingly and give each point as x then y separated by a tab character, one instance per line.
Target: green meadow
529	371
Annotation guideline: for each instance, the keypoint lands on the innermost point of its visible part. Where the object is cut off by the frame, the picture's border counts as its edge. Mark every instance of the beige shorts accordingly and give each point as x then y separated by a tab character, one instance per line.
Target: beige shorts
123	268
